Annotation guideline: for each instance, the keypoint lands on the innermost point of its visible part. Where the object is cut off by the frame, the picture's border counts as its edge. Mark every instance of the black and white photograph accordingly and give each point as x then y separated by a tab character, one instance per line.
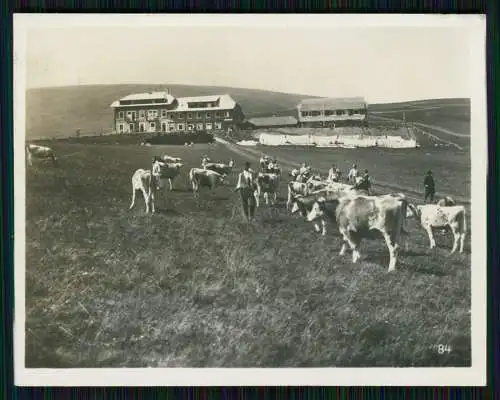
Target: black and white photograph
250	199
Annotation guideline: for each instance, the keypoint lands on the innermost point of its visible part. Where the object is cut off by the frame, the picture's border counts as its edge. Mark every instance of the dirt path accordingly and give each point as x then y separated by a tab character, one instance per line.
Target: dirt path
254	155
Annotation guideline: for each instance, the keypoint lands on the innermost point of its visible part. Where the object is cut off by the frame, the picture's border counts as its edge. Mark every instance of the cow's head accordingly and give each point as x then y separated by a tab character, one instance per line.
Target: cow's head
178	165
318	209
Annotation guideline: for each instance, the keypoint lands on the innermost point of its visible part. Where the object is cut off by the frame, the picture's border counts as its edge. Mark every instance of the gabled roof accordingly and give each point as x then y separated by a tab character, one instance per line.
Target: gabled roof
273	121
332	103
224	102
146	97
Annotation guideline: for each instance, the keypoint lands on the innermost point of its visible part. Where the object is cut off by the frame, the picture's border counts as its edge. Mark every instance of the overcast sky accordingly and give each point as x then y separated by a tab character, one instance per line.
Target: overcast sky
382	64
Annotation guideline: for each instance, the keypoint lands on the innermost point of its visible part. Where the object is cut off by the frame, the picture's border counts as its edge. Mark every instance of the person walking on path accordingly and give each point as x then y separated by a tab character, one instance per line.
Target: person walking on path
429	187
246	187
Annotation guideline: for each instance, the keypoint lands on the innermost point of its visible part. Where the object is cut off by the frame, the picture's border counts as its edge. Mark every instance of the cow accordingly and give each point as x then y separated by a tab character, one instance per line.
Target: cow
169	159
294	173
432	216
204	160
221	168
304	205
267	183
358	216
296	188
316	183
200	177
446	201
166	171
40	152
143	180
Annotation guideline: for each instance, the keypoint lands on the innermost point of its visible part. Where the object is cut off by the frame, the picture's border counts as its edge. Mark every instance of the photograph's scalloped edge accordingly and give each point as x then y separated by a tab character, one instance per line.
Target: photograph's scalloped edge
472	376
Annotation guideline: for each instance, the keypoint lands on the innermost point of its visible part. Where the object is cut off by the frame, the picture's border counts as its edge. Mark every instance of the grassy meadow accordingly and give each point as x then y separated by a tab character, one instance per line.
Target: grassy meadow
195	286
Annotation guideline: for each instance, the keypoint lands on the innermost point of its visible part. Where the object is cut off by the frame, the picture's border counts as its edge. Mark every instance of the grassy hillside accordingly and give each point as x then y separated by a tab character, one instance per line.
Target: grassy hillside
56	112
194	286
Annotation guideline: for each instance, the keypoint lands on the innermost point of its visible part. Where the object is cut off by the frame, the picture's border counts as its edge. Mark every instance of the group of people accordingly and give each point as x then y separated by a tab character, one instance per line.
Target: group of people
361	181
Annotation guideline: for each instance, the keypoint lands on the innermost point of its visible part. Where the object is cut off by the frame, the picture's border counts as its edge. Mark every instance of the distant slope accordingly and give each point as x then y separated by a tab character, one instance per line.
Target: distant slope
60	111
53	112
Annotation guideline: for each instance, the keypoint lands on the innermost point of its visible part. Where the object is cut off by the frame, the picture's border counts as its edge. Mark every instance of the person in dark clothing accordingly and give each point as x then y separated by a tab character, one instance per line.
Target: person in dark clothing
246	186
429	187
364	183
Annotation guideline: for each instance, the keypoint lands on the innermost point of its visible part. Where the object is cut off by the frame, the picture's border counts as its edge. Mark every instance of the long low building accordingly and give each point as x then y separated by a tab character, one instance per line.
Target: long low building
332	112
270	122
162	112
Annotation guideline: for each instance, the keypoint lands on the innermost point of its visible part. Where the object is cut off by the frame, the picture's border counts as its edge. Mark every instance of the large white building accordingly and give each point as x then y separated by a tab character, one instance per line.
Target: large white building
162	112
331	111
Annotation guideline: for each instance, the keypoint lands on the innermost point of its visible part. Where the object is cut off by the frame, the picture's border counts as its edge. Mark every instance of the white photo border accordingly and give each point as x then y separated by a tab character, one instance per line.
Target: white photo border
442	376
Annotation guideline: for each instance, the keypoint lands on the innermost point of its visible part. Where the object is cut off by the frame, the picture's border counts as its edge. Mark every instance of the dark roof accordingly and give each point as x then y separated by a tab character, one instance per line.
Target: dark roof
273	121
332	103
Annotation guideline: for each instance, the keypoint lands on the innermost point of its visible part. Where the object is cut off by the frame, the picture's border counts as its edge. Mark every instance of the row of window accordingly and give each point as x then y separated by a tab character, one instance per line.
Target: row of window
151	127
328	113
153	114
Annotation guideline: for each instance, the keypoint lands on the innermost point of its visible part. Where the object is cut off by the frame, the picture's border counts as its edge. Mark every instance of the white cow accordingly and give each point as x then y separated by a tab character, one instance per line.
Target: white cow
143	180
267	183
431	216
40	152
358	216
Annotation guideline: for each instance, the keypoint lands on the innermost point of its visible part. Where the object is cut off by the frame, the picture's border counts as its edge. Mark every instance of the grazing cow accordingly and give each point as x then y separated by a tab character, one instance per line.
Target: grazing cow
431	216
446	201
143	180
223	169
267	183
358	216
200	177
166	171
40	152
169	159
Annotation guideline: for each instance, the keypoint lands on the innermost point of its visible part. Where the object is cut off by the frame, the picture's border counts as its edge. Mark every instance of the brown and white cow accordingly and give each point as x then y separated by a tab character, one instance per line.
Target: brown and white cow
169	159
39	152
221	168
267	183
359	216
200	177
166	171
304	204
432	216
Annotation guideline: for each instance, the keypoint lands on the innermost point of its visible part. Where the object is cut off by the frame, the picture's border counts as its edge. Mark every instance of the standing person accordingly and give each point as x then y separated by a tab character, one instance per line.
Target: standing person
430	187
353	174
364	183
246	186
333	174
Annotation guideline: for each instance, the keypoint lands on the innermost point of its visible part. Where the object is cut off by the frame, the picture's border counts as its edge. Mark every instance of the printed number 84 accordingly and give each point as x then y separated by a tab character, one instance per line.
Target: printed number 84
442	348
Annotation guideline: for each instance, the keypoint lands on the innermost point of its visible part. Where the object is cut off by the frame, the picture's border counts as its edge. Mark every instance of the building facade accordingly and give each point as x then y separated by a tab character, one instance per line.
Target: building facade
330	112
161	112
